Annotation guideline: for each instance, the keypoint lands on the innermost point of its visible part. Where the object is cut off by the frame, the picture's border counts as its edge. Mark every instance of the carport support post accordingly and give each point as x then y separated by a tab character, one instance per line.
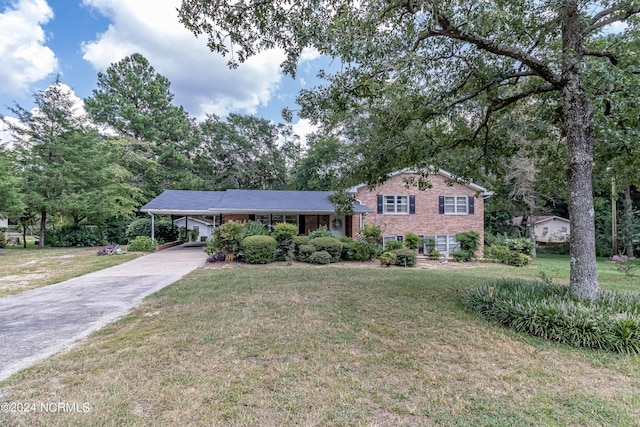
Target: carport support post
153	227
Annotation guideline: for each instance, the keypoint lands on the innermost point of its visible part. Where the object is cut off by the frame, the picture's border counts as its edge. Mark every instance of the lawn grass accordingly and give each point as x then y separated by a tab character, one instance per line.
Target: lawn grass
25	269
329	346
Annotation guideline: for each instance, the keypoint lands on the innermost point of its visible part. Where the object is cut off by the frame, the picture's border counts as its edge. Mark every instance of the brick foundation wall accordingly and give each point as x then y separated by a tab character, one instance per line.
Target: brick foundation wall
427	220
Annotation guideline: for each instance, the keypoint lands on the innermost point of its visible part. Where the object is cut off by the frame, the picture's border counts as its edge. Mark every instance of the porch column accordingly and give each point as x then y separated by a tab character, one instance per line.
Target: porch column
153	227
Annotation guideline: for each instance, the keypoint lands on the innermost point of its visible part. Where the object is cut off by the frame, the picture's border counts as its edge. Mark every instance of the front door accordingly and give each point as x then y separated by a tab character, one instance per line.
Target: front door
337	225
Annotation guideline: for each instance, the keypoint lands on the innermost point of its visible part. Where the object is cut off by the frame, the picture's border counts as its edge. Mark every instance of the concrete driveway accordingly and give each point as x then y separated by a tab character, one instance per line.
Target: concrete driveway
41	322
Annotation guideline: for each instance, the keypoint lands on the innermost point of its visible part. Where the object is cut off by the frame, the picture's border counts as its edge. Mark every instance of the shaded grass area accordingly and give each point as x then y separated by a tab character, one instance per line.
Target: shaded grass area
326	346
25	269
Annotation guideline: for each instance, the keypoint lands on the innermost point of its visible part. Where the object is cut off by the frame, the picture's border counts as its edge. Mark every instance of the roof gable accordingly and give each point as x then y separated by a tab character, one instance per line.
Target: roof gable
448	175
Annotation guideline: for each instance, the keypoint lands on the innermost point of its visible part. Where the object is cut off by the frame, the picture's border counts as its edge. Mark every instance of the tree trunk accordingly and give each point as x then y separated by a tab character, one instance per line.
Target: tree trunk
532	236
577	109
628	219
43	224
24	234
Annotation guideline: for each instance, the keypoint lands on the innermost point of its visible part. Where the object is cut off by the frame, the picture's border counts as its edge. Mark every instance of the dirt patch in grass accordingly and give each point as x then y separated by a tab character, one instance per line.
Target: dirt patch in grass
331	346
25	269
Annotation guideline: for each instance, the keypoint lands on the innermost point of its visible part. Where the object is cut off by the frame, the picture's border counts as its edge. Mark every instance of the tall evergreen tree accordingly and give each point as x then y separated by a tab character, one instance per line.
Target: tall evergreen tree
136	101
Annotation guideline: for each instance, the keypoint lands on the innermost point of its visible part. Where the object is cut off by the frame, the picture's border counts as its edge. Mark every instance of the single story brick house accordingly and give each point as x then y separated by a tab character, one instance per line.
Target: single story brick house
446	208
306	209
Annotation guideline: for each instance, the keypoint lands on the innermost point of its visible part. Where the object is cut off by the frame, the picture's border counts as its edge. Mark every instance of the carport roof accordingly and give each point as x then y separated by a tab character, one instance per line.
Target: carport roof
187	202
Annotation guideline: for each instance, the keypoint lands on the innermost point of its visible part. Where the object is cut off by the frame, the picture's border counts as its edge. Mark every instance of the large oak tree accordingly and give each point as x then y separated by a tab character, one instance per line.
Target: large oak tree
440	72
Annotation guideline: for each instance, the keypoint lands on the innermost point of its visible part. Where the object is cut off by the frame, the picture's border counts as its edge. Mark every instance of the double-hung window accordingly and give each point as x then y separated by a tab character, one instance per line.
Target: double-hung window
396	204
443	243
289	219
456	204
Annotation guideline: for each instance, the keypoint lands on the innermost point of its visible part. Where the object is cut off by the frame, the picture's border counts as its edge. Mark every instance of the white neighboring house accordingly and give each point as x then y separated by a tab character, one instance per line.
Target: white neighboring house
549	228
4	223
204	226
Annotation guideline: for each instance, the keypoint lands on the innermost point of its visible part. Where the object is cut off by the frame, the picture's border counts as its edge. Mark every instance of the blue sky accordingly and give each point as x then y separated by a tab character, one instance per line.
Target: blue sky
76	39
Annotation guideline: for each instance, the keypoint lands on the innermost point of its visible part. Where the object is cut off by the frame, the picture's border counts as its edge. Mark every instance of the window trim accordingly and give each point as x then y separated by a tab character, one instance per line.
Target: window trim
395	204
451	244
455	204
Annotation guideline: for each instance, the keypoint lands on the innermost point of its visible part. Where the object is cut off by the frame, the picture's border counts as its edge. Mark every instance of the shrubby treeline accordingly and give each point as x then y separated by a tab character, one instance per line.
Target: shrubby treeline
80	177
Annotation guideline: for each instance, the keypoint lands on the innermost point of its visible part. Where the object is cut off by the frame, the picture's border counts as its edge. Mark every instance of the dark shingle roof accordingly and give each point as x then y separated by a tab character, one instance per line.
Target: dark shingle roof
244	201
183	202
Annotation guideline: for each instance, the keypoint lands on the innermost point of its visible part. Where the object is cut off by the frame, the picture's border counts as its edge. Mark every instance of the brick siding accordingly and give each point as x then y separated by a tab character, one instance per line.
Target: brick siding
427	221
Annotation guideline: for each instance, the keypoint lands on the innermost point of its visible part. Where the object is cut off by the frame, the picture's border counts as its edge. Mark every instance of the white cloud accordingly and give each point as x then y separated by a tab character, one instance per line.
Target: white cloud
200	79
303	128
24	58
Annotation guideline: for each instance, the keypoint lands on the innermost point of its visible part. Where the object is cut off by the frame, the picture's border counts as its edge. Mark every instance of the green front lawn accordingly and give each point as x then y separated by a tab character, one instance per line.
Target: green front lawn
25	269
330	346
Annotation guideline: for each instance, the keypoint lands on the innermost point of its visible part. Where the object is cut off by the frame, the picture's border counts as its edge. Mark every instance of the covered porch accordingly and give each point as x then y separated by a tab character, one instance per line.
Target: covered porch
308	210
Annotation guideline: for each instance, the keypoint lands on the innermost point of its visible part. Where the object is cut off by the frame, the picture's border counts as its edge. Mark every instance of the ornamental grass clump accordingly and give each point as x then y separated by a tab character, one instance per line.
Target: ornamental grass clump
550	311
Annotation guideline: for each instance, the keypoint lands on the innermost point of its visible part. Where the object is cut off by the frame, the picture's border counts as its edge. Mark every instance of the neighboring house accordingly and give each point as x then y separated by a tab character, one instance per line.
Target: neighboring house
548	228
306	209
204	226
439	212
4	223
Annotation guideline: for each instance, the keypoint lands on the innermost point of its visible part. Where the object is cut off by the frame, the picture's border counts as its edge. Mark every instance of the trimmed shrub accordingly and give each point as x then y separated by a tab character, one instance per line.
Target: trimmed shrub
411	241
143	244
3	236
371	234
499	253
320	257
322	231
405	257
329	244
259	249
364	251
462	255
304	252
284	234
348	248
388	258
392	245
510	253
297	242
550	311
164	229
255	228
68	235
520	245
226	239
301	240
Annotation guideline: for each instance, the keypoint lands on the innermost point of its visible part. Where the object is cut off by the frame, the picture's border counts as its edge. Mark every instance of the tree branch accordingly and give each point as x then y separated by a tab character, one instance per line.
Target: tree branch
607	17
601	54
449	30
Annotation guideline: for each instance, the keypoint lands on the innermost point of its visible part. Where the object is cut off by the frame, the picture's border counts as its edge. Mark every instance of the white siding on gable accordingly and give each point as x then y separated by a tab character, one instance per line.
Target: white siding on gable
204	230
